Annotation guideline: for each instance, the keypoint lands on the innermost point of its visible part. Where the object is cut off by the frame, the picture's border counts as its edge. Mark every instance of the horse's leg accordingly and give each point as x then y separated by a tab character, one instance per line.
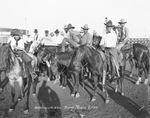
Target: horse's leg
61	80
121	78
140	70
95	88
26	107
57	78
20	81
12	107
104	79
49	70
132	67
76	86
146	73
34	84
64	79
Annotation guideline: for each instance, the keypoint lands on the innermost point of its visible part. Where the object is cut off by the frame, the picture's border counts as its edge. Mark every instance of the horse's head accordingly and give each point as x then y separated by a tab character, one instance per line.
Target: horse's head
6	59
41	53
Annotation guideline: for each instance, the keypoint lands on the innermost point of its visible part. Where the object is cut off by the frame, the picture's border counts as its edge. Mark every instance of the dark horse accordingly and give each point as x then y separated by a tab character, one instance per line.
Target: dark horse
13	68
97	67
44	55
138	55
60	64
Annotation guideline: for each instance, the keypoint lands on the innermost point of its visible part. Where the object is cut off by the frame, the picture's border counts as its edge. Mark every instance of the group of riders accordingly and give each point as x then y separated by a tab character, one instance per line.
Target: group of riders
79	53
113	39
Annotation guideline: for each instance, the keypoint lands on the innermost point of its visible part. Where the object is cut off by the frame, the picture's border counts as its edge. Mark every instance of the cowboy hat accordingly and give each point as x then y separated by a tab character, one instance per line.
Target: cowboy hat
70	26
109	24
85	27
122	21
56	31
46	31
35	31
15	32
65	26
94	32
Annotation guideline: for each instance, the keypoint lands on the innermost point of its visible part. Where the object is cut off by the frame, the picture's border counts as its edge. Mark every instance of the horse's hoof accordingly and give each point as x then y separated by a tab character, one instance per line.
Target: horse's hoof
19	99
26	111
56	81
146	81
72	95
137	83
93	99
103	90
130	75
107	101
63	87
10	110
122	94
77	95
34	95
112	83
48	79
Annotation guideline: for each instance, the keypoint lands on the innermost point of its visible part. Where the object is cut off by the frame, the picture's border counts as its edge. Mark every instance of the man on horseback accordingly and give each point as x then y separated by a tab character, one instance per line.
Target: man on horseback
109	41
87	37
72	38
123	34
17	44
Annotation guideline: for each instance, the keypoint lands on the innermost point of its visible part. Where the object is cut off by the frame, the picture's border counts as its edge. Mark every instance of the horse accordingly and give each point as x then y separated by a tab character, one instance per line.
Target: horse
141	59
113	72
98	68
44	56
59	65
138	56
12	66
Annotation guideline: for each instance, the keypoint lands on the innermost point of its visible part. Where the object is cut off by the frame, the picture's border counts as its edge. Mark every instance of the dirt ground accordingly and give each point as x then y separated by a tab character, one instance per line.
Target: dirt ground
53	102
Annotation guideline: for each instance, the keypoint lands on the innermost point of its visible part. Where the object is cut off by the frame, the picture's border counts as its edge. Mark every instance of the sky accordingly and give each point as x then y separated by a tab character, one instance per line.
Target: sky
54	14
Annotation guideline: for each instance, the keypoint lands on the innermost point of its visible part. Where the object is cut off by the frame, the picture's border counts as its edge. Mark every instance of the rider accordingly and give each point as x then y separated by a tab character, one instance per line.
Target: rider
17	44
47	39
123	34
71	38
87	37
109	41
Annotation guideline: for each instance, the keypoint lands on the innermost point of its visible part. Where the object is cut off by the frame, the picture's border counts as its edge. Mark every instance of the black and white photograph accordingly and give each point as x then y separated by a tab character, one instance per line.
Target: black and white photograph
74	59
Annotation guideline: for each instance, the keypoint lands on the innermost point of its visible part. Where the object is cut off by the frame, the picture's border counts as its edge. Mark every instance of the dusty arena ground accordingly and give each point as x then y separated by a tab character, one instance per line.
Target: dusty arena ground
57	102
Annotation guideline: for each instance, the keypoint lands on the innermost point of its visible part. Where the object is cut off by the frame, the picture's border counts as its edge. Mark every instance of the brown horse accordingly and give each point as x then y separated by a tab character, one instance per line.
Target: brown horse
138	56
13	68
141	60
97	66
60	64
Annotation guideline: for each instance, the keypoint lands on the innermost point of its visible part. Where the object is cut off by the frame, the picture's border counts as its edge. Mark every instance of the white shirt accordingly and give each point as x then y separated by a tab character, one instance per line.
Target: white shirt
48	41
57	39
110	39
33	46
12	42
29	39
